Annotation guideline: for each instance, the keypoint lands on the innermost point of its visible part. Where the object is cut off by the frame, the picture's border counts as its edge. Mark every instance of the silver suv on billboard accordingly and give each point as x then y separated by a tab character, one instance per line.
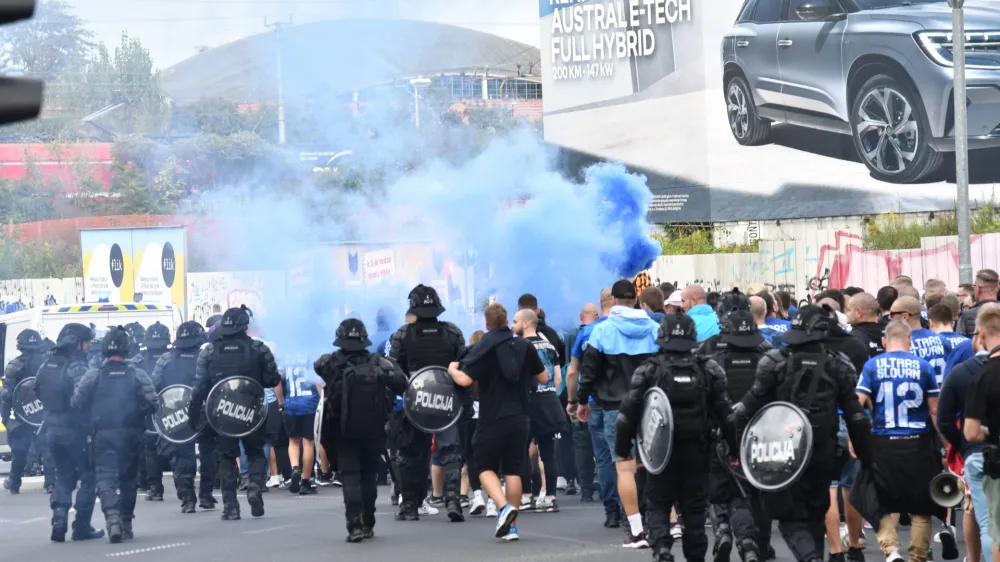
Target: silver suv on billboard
877	70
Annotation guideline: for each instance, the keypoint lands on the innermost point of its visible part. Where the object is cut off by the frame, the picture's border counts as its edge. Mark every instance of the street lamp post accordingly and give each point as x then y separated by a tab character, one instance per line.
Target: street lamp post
418	84
961	142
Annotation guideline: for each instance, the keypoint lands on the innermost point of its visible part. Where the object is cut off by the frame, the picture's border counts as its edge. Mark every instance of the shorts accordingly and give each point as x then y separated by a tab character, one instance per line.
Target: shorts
300	427
499	445
272	425
847	476
991	488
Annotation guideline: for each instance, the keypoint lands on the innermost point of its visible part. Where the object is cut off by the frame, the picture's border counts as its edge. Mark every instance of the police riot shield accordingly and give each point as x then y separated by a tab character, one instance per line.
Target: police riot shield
150	426
656	431
431	401
171	416
776	447
318	419
235	407
27	407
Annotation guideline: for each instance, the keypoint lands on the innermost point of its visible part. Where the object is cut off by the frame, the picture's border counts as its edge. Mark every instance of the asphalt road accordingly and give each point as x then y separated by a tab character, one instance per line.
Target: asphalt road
307	528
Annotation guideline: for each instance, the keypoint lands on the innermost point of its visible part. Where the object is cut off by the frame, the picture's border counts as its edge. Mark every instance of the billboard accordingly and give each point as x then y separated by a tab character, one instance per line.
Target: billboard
769	109
135	265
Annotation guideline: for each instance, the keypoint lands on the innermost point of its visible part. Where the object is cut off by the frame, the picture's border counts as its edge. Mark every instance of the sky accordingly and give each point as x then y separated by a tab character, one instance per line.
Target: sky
173	30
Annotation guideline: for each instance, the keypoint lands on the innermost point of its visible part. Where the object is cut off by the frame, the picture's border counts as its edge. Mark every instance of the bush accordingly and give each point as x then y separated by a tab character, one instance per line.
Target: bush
681	241
892	231
38	259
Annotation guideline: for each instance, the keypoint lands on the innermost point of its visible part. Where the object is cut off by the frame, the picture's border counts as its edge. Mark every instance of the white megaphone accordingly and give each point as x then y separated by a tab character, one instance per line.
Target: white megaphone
947	490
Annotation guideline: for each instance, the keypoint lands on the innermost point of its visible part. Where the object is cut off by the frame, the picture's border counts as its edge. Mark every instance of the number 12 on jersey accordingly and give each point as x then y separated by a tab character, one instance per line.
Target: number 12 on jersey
898	416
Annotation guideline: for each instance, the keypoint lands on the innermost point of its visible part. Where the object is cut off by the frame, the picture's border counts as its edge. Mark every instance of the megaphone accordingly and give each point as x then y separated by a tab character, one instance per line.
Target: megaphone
947	490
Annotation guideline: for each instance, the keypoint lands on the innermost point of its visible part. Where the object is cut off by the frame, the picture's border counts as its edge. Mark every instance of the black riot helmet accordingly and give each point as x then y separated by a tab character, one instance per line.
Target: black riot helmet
352	335
72	335
116	342
137	334
190	335
739	329
235	320
811	325
29	340
733	300
157	337
425	303
677	333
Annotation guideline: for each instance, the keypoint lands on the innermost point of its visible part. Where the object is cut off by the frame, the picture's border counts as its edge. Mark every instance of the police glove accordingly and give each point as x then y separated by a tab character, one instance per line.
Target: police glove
738	416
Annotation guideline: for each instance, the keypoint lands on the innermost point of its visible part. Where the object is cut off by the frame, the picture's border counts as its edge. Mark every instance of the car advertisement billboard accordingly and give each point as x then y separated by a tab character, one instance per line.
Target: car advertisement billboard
759	109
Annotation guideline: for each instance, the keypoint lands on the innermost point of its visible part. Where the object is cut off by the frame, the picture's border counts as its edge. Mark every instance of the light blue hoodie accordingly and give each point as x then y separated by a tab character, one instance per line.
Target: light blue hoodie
627	331
706	322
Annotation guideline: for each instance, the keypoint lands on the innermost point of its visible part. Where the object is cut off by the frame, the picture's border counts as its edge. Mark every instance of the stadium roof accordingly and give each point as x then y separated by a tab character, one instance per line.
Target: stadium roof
334	57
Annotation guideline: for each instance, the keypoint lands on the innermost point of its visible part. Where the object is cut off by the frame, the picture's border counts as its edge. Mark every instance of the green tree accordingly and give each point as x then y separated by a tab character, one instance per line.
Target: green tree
216	116
126	77
38	259
47	46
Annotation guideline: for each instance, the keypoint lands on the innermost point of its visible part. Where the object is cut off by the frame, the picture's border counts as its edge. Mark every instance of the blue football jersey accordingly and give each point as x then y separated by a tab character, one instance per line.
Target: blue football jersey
302	397
777	324
932	348
899	385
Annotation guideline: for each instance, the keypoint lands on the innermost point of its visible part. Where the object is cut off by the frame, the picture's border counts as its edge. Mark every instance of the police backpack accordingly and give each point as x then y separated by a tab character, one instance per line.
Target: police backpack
807	384
363	402
686	385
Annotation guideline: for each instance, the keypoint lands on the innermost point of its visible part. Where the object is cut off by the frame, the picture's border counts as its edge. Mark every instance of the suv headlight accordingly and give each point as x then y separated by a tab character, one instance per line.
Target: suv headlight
982	48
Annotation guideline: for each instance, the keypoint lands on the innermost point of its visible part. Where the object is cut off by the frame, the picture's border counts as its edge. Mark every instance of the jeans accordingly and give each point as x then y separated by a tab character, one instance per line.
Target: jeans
602	435
244	465
974	478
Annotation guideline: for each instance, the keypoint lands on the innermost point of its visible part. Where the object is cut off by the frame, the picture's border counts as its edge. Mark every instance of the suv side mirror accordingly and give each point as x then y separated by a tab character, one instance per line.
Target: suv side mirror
817	10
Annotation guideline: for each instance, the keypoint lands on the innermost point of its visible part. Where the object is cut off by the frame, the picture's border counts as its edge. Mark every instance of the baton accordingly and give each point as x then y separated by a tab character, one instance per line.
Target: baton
723	458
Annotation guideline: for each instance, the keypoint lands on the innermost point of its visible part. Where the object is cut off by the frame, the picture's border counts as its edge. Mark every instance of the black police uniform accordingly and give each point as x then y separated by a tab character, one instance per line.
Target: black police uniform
178	368
235	354
19	434
736	505
696	388
426	342
360	393
818	381
156	343
116	397
67	432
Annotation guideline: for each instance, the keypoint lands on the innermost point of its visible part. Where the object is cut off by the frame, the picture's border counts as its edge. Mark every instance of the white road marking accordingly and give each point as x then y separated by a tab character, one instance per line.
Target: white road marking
558	538
35	520
267	530
146	550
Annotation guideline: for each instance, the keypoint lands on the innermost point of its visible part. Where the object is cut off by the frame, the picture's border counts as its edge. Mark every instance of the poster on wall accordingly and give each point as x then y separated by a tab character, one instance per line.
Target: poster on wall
770	109
146	265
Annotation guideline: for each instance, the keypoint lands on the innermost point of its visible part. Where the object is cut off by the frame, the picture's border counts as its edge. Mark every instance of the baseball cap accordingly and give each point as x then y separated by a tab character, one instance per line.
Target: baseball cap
675	299
623	289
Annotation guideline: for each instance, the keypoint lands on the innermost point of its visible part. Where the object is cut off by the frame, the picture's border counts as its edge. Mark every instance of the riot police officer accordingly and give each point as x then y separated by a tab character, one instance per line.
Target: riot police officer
178	368
360	388
19	434
696	389
116	398
738	350
235	354
156	343
728	302
67	432
423	343
817	381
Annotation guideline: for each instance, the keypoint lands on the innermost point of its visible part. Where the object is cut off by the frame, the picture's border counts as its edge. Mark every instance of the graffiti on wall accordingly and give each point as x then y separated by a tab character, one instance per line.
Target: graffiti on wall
210	291
24	294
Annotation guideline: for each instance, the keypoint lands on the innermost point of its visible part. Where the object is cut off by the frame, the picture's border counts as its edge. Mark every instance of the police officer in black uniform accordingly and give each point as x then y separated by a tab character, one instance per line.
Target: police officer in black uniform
361	390
818	381
156	343
67	432
696	388
738	350
426	342
19	434
173	368
234	354
116	398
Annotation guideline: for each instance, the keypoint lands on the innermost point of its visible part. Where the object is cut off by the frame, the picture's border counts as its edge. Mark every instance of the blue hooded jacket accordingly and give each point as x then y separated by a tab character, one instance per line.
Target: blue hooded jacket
622	343
706	321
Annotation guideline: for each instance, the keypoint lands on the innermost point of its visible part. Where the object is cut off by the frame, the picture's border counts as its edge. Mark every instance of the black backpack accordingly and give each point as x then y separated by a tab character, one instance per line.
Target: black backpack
807	385
686	385
363	406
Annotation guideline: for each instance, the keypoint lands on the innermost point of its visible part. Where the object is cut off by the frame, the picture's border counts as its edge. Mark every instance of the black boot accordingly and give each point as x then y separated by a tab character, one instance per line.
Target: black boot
231	512
87	533
454	508
723	543
407	512
60	522
356	535
154	495
662	555
207	502
127	534
188	506
368	532
256	501
115	531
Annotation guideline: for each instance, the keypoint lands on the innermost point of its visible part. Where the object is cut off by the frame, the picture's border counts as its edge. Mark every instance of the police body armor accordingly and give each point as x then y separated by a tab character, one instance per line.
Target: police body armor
180	369
428	345
686	385
116	399
364	404
806	384
234	358
54	386
30	364
740	366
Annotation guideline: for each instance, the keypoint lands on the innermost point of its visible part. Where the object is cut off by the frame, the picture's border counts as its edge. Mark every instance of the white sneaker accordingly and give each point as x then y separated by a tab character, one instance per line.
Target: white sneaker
274	481
477	505
843	535
894	556
561	484
428	509
491	508
937	538
544	504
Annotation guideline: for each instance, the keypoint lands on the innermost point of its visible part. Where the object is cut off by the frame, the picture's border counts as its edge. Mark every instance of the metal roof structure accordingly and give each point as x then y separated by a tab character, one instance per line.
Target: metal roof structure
336	57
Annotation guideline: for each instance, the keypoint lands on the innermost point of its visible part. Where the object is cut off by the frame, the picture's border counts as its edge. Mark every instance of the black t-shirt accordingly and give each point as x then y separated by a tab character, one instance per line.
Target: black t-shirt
983	400
498	397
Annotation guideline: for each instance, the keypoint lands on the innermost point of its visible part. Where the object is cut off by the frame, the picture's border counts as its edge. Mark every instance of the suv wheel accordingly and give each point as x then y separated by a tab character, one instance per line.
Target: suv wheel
748	128
890	131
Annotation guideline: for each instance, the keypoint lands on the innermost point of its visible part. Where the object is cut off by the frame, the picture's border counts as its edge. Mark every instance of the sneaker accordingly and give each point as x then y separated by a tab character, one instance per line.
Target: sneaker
527	502
855	554
308	489
477	505
561	484
505	520
636	541
612	521
296	485
836	557
285	483
894	556
326	479
464	501
570	488
428	509
676	531
949	547
336	480
274	481
244	484
356	535
435	501
511	534
394	500
491	508
547	505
